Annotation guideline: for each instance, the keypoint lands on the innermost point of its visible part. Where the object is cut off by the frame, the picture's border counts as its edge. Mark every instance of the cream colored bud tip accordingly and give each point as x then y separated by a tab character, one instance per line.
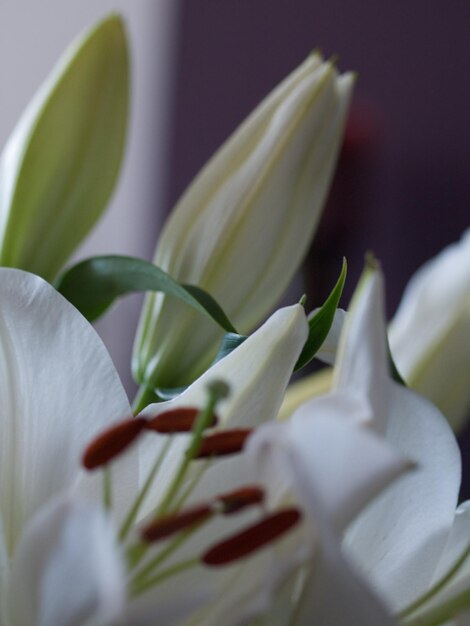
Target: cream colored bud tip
219	389
371	261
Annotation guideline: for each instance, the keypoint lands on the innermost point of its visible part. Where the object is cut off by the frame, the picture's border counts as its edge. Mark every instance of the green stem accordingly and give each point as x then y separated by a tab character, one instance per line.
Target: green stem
144	397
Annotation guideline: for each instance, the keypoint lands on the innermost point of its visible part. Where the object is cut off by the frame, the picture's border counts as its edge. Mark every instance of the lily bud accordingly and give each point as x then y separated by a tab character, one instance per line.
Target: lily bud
60	164
429	335
244	225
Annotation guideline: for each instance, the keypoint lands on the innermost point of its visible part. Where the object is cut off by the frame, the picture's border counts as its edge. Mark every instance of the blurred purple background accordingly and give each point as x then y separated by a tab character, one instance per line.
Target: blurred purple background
403	188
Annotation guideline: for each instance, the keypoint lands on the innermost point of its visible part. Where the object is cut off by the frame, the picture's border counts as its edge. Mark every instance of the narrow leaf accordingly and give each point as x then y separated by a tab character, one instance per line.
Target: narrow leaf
320	323
93	285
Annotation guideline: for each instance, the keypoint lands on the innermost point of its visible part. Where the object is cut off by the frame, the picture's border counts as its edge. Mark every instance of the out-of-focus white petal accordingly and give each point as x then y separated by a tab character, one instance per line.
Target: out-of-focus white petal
335	595
398	540
362	363
4	576
429	333
67	569
450	600
257	373
327	459
58	388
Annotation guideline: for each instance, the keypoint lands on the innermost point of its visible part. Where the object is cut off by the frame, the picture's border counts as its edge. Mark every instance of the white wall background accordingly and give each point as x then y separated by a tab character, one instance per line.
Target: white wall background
33	34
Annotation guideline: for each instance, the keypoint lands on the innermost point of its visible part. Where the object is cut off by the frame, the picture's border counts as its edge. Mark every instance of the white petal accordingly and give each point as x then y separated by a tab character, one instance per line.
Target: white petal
4	576
362	363
456	547
58	388
336	596
257	372
399	539
429	333
331	462
67	569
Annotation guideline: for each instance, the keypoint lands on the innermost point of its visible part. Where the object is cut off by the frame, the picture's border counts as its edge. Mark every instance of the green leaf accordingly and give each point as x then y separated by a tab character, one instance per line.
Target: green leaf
320	323
93	285
60	164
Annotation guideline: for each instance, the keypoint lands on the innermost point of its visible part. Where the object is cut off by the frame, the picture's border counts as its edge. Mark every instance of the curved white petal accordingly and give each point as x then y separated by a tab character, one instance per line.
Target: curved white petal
429	333
330	461
398	540
335	595
362	363
58	388
452	599
257	373
67	569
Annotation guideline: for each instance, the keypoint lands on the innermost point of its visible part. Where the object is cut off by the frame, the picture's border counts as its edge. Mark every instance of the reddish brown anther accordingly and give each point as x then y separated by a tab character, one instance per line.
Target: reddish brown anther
253	538
239	499
223	443
112	442
159	529
179	420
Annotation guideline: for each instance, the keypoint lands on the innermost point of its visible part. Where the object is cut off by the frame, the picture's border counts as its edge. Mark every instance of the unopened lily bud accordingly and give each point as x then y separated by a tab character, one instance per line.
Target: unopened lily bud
60	164
244	225
429	335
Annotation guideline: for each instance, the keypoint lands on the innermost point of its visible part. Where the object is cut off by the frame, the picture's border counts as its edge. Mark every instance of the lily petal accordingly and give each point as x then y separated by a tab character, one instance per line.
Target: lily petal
58	388
362	363
429	333
67	569
335	595
398	540
257	373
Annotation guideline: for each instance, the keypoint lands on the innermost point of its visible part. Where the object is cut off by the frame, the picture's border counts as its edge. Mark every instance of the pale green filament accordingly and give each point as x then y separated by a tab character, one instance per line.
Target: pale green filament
172	546
203	420
107	488
133	513
139	588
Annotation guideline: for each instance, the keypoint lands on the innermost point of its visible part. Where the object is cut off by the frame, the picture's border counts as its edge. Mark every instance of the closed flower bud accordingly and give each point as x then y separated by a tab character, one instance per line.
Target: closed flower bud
244	225
60	164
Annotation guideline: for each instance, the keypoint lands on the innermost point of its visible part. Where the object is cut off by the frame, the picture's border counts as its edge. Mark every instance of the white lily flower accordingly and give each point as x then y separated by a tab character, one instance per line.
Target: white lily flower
243	226
60	164
429	332
58	388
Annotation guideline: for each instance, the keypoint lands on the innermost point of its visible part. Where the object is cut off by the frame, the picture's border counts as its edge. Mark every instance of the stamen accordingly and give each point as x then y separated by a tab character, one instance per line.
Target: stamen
163	527
253	538
223	443
239	499
179	420
112	442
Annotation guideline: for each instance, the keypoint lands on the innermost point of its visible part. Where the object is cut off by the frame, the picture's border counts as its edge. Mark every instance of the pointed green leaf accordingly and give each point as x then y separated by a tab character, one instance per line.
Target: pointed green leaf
320	323
60	165
93	285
